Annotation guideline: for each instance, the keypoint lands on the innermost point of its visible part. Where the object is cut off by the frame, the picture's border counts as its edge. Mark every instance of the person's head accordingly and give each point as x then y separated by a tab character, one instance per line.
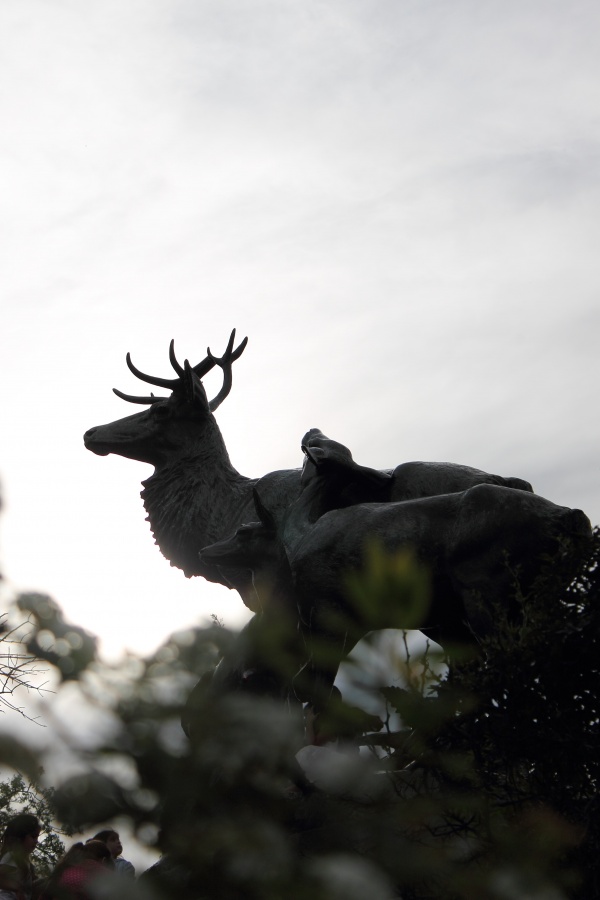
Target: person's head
72	857
111	839
21	833
98	851
80	852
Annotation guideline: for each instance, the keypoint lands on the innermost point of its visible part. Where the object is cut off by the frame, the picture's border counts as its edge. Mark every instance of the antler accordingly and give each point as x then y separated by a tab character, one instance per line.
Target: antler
201	369
131	399
169	383
225	363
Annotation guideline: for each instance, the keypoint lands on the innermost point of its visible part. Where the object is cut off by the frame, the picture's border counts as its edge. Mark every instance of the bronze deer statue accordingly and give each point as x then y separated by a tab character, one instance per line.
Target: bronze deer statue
196	497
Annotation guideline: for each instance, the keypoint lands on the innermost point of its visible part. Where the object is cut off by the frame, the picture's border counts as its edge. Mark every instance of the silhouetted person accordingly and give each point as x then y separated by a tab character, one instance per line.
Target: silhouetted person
16	871
113	842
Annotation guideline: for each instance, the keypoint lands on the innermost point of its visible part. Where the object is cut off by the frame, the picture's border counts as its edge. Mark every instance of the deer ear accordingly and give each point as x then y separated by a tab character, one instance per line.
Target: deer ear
192	387
263	513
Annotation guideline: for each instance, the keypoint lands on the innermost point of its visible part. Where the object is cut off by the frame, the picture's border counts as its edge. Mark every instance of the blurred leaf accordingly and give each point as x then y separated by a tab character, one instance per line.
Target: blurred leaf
68	647
87	799
18	756
392	590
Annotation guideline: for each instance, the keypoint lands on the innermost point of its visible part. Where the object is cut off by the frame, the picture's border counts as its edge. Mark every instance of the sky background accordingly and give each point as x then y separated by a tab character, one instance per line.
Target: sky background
396	201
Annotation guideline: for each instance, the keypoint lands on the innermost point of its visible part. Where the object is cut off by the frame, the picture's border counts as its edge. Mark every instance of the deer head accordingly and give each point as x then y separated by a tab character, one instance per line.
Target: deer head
255	546
172	425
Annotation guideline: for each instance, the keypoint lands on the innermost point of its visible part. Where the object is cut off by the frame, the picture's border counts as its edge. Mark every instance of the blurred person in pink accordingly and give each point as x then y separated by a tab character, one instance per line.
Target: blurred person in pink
81	867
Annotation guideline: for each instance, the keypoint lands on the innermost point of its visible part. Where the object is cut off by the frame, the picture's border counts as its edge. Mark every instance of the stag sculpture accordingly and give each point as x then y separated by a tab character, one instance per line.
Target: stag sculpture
473	543
196	497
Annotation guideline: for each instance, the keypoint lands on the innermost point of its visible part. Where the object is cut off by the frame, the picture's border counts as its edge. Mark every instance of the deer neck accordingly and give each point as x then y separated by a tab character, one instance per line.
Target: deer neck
191	504
315	499
274	591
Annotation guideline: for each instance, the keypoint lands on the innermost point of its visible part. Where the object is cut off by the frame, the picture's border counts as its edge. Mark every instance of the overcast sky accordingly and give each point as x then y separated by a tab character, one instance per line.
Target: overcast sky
397	201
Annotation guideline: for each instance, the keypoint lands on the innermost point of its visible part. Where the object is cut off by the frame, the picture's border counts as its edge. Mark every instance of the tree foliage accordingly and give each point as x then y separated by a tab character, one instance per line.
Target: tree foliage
20	672
21	795
483	782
